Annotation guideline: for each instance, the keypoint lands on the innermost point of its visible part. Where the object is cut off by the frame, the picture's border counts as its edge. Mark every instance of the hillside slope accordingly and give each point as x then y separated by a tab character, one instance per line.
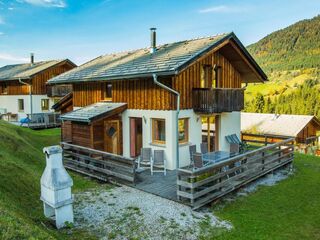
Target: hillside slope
22	163
294	47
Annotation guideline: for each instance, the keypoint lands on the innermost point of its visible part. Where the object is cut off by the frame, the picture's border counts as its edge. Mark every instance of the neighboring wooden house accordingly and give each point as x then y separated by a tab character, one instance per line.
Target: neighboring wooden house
24	90
304	128
128	100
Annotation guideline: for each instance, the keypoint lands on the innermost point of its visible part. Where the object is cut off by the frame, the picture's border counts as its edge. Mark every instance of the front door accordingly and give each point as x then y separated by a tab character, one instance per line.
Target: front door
112	136
135	136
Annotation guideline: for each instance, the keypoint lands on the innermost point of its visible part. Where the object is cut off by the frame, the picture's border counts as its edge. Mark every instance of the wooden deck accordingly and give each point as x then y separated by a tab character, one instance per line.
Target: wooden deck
192	187
158	184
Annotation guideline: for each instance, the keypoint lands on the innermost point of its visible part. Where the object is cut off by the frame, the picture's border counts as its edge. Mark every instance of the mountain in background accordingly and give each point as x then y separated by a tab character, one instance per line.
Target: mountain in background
291	59
294	47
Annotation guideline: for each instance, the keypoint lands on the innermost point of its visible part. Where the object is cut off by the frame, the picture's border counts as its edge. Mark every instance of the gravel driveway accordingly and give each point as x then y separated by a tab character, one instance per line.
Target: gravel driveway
128	213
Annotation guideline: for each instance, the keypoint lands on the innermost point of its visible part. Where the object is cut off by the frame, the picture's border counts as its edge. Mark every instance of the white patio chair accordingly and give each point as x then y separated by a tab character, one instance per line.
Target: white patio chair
145	158
158	162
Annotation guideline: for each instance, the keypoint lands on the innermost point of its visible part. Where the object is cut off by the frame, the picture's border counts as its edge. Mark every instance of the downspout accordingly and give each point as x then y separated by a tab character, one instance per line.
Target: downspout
30	94
155	80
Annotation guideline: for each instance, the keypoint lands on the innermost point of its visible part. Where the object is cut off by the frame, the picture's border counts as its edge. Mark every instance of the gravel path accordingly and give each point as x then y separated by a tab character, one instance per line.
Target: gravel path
128	213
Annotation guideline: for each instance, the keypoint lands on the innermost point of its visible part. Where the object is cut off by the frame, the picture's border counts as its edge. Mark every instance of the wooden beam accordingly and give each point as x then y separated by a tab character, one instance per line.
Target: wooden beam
208	132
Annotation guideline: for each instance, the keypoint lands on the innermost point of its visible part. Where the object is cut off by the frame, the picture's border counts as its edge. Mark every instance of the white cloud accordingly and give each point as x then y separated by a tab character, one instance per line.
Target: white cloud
1	33
46	3
222	9
9	57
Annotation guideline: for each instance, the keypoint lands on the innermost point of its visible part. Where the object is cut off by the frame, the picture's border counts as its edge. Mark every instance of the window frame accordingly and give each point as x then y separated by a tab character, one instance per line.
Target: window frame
4	88
186	131
153	131
47	101
20	100
206	78
105	92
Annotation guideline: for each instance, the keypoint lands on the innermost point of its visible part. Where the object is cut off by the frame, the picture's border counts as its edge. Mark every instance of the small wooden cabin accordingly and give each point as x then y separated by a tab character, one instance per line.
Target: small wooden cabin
304	128
24	89
208	73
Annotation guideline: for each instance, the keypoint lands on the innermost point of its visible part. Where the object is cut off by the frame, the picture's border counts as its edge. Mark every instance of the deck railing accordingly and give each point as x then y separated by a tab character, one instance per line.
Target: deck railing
98	164
58	90
198	187
44	120
217	100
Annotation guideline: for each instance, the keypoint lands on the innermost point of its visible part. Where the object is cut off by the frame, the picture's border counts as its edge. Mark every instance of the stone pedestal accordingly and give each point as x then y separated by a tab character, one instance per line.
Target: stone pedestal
56	188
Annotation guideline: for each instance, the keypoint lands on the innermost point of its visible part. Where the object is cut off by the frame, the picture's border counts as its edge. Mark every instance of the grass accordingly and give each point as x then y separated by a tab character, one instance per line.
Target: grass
284	82
22	163
288	210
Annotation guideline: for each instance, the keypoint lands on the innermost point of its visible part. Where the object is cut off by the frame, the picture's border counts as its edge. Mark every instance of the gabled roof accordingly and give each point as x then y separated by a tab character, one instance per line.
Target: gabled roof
95	111
275	124
27	70
168	59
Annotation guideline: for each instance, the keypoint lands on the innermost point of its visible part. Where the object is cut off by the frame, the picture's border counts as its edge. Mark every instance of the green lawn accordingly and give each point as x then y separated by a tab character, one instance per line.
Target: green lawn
288	210
21	165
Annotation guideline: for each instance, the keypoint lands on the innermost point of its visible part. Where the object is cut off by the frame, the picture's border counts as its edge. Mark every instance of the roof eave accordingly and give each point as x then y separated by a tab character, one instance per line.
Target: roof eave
250	58
216	44
111	78
15	79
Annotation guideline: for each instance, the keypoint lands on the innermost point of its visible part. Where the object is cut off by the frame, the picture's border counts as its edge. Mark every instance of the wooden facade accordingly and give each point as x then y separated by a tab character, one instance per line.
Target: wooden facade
312	129
144	94
38	81
96	134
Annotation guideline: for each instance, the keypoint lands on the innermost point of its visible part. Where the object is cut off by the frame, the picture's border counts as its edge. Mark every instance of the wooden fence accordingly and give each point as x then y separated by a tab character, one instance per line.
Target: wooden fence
198	187
264	139
98	164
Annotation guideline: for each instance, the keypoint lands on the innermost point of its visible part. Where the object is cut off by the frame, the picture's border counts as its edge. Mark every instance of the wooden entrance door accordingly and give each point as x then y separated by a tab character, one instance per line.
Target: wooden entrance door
135	136
113	137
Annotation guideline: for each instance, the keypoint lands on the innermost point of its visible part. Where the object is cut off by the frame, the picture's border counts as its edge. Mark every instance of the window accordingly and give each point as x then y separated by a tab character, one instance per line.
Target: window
183	130
45	104
4	88
108	91
20	105
206	76
217	76
158	131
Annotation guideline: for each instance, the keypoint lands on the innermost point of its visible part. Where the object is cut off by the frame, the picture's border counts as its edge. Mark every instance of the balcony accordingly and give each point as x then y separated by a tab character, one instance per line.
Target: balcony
217	100
58	90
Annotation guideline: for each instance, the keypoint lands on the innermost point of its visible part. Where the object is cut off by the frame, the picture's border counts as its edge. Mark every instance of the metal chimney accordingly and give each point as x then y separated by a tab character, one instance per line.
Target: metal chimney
153	46
31	58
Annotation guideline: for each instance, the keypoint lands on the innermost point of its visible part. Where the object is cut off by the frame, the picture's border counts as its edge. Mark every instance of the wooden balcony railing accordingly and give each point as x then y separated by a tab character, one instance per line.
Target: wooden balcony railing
217	100
198	187
58	90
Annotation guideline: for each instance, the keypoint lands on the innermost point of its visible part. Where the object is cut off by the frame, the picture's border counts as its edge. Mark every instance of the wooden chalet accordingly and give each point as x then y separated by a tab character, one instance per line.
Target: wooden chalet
305	129
24	90
209	74
156	98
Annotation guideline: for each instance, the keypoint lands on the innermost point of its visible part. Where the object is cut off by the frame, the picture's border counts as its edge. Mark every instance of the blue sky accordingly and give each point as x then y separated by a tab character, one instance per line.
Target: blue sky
84	29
